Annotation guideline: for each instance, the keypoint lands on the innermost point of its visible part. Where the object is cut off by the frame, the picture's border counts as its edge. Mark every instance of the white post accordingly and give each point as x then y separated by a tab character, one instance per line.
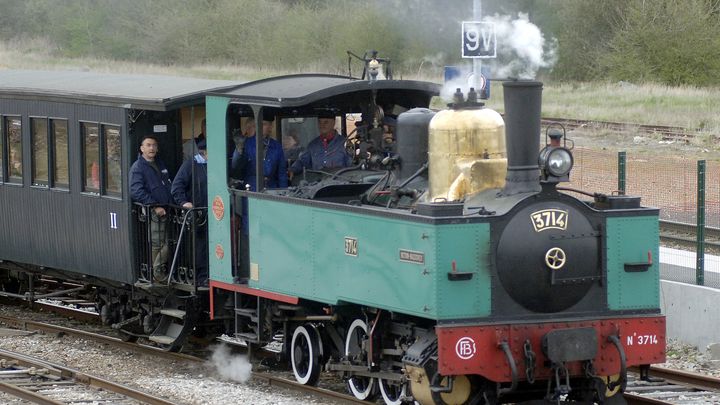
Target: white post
477	62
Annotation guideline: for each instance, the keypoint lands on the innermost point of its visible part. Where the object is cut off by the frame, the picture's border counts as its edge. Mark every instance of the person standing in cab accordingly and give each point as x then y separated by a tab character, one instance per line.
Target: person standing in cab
150	185
189	190
327	151
274	163
190	147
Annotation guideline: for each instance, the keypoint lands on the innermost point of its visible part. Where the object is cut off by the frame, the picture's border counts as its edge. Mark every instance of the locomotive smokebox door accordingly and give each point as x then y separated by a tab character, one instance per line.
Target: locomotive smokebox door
547	272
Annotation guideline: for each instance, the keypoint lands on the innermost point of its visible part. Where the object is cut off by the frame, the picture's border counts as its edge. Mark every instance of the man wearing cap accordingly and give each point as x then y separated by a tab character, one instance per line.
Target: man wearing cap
327	151
150	185
182	186
190	147
274	163
191	192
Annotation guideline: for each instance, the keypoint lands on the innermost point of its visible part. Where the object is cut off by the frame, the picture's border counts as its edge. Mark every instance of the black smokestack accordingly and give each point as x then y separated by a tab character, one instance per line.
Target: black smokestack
523	100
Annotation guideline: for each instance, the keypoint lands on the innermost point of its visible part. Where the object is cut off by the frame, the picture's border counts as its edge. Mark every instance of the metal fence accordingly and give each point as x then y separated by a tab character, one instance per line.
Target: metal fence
686	190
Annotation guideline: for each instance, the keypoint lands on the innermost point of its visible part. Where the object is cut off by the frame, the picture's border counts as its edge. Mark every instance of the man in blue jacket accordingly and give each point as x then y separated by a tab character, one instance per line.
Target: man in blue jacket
189	190
327	151
150	185
274	163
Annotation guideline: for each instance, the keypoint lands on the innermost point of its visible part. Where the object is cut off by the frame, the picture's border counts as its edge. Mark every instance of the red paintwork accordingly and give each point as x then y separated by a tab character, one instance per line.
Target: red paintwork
489	360
241	288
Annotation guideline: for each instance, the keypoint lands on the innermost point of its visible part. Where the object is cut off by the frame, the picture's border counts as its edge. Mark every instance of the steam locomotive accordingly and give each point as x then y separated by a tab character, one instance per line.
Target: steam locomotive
448	266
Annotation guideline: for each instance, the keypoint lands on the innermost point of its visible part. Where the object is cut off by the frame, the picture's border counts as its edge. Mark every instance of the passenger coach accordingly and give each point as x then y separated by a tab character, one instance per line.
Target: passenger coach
67	141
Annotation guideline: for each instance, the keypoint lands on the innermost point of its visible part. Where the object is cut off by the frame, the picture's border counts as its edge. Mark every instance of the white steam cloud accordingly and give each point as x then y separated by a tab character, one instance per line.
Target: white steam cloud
522	48
229	366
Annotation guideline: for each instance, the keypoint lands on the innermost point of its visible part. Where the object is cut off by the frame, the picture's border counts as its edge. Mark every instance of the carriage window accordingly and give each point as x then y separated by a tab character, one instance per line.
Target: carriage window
39	158
59	133
113	170
91	157
13	127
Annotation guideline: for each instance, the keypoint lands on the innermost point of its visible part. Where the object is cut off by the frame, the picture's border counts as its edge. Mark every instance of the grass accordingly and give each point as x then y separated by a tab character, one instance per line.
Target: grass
687	107
38	55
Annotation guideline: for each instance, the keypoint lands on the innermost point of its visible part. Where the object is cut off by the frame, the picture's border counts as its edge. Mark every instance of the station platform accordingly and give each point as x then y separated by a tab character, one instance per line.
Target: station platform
692	311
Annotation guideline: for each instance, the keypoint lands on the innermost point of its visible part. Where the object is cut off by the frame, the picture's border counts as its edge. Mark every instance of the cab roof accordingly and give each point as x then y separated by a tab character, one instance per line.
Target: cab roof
320	90
148	92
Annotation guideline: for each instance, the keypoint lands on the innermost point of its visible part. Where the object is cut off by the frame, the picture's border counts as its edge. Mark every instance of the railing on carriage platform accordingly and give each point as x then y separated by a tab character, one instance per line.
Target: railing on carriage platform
174	237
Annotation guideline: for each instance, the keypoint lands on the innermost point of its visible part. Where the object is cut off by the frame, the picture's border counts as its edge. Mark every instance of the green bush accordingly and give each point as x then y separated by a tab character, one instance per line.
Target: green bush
668	42
662	41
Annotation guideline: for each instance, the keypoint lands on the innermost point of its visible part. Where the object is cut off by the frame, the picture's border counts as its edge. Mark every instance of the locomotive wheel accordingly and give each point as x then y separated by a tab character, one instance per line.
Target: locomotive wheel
305	355
611	379
363	388
392	393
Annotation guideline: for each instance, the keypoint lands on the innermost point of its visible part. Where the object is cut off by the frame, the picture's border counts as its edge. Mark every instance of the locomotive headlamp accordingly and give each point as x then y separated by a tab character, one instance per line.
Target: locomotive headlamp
559	162
555	163
555	159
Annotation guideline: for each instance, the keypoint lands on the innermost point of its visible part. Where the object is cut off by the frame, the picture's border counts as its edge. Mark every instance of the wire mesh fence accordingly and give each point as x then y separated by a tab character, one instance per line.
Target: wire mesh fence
670	184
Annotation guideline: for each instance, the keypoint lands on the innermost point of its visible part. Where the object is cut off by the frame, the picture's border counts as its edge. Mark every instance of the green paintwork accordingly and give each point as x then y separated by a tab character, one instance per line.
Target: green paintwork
628	241
218	230
300	251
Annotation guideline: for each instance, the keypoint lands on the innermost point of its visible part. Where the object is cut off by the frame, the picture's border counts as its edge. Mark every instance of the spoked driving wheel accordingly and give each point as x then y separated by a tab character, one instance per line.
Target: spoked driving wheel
305	354
363	388
393	393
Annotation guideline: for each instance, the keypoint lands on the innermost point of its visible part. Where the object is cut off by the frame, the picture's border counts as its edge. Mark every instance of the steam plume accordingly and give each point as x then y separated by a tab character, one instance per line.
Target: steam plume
522	48
230	366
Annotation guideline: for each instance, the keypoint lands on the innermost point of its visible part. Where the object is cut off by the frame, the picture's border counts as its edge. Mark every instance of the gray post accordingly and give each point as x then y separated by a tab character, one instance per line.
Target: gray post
477	62
700	251
622	173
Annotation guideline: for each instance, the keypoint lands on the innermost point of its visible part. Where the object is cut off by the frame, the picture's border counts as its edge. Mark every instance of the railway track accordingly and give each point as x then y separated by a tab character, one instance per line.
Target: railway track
684	235
42	382
266	378
673	387
667	133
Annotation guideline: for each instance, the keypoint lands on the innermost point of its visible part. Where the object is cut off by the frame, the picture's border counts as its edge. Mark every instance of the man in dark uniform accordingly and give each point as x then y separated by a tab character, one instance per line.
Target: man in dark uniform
150	185
327	151
189	190
274	163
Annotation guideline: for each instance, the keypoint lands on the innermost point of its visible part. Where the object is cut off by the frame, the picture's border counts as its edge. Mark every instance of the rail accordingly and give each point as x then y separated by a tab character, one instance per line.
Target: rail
40	373
270	380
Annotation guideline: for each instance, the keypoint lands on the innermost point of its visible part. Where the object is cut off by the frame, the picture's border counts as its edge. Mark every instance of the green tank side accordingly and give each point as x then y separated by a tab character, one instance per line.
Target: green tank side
381	262
629	240
468	245
218	198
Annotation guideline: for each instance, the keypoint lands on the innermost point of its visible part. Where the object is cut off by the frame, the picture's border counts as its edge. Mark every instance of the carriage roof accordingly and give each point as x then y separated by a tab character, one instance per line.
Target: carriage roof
150	92
322	90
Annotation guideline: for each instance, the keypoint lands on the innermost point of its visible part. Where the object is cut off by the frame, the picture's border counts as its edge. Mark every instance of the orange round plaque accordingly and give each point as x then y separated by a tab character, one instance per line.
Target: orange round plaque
218	207
219	251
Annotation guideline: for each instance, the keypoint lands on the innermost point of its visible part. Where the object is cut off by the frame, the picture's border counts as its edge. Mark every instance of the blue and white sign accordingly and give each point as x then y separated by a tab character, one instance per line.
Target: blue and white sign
459	77
478	40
